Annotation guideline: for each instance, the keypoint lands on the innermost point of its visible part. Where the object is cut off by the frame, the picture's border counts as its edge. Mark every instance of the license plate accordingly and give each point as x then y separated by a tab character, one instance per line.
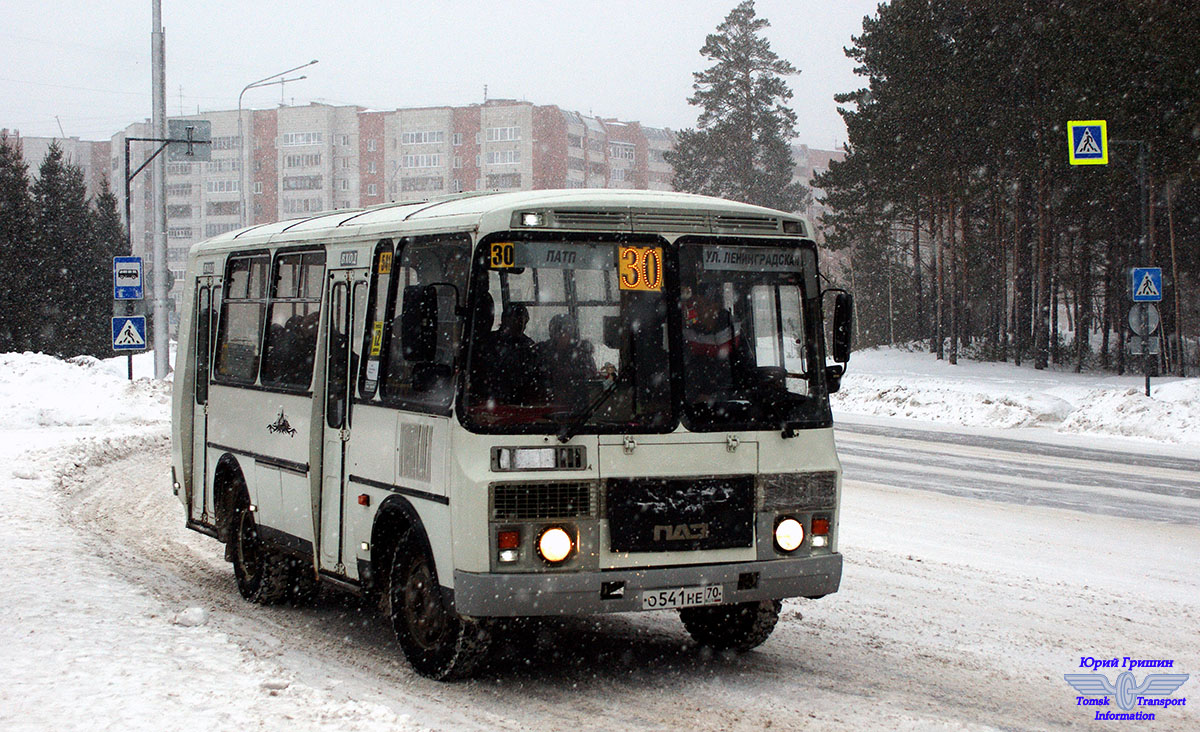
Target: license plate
682	597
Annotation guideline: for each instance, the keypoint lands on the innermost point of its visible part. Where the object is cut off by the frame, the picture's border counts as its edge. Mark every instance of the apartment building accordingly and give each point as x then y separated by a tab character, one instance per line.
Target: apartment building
90	156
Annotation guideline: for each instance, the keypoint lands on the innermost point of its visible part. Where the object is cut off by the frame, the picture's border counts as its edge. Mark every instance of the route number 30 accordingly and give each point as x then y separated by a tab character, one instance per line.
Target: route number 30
640	268
502	255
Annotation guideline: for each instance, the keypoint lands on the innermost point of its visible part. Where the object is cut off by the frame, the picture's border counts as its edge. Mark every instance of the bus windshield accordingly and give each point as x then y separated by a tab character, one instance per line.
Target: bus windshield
562	337
749	341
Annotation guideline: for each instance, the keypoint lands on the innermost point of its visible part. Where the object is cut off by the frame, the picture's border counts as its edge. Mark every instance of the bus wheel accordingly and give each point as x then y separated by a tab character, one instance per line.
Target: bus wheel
737	627
262	575
437	641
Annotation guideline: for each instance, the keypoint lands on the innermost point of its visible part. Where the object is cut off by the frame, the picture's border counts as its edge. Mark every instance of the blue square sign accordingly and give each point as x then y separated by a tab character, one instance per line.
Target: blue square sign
127	278
129	333
1146	284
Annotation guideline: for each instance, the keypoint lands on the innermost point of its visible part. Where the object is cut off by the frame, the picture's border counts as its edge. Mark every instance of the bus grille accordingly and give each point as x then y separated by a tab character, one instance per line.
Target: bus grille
583	219
526	501
660	515
726	222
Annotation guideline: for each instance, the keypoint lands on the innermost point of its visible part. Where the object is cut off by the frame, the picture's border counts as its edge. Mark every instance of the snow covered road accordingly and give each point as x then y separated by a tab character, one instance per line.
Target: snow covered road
979	569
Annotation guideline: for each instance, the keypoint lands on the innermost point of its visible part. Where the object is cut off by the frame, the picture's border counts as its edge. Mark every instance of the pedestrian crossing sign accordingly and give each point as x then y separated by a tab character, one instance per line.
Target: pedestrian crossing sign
1146	284
1087	142
129	333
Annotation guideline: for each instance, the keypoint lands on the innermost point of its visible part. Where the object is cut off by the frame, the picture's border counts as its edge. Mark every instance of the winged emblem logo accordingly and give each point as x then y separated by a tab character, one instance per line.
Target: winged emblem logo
1126	689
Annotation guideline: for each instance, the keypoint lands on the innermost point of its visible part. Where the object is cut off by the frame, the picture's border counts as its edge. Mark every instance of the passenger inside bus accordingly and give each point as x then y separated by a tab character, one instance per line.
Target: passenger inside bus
569	362
504	365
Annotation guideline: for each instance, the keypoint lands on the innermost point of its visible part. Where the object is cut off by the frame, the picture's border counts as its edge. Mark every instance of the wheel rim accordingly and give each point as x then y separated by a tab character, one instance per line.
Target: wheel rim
424	613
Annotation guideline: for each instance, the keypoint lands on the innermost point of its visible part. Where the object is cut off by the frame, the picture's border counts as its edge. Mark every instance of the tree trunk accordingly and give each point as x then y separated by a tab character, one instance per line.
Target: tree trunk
952	249
941	277
1041	298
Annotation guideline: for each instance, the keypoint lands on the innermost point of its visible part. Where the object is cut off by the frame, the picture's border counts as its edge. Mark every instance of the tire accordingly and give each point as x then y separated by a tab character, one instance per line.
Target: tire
303	586
733	627
262	575
439	643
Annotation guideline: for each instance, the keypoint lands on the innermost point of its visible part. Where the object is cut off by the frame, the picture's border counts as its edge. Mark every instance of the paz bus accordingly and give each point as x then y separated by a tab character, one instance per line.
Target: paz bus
492	405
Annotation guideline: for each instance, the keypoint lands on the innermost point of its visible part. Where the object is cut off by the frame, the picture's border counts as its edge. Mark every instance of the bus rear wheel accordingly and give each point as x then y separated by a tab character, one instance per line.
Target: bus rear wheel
733	627
262	575
438	642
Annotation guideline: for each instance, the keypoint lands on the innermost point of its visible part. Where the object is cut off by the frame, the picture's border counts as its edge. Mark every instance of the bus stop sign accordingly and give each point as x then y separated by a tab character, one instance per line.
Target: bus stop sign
127	278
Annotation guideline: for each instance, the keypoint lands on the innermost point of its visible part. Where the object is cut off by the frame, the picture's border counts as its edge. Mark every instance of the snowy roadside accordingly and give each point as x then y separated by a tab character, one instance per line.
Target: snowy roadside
85	647
891	383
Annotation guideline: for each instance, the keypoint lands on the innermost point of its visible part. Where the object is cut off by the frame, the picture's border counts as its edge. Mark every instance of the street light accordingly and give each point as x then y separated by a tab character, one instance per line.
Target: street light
265	81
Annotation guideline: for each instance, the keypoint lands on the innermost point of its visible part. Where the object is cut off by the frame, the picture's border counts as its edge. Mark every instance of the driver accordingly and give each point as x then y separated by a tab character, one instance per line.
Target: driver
712	348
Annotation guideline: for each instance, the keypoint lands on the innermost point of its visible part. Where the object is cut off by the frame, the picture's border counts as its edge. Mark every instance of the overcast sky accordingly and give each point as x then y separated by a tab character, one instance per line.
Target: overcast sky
88	63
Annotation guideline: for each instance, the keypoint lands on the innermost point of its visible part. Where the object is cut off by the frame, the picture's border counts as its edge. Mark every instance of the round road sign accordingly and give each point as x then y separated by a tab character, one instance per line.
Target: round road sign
1143	318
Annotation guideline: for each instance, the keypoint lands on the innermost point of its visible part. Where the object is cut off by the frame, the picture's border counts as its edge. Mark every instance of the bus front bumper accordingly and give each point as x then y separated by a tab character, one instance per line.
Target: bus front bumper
620	590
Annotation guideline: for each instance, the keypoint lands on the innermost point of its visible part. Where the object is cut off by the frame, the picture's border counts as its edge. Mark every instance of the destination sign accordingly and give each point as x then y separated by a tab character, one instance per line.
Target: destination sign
753	259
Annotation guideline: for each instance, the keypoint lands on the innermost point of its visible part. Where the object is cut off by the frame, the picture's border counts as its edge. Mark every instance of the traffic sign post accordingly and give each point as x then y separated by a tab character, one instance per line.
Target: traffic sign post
129	333
1145	288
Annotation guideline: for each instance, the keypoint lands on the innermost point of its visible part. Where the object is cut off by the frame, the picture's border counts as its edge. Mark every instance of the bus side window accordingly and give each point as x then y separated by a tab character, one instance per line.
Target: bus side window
203	331
240	336
292	319
374	330
443	263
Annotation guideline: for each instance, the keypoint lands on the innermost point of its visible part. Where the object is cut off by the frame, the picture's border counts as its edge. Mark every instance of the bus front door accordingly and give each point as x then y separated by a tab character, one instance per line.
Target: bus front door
200	506
338	370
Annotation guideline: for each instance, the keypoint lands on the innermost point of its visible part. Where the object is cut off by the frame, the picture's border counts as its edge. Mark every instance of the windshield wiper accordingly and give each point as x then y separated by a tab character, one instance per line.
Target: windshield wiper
570	427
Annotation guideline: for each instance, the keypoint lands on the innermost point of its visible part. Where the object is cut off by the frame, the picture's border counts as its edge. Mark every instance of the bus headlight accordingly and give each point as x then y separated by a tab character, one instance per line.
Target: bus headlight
555	544
789	534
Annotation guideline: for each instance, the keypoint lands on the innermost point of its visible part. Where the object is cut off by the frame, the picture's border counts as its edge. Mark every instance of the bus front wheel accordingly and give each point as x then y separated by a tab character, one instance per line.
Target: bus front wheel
437	641
262	575
734	627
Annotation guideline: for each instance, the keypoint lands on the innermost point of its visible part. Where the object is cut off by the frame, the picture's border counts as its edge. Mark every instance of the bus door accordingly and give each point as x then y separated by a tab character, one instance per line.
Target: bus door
338	392
200	505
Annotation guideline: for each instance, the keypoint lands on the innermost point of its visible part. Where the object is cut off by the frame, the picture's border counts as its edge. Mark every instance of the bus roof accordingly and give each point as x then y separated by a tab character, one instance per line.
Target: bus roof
600	209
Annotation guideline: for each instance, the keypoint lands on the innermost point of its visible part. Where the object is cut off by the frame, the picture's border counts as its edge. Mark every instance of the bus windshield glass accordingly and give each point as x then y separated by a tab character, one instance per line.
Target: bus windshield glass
570	334
750	344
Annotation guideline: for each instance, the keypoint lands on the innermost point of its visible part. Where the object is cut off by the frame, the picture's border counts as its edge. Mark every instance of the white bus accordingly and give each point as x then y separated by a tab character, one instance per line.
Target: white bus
516	404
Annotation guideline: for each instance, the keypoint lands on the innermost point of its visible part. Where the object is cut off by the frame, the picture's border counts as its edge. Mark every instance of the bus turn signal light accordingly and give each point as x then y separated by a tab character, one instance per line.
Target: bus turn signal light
820	526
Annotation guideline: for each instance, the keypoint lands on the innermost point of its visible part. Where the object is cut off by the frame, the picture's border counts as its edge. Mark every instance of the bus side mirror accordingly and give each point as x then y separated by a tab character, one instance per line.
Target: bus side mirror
419	323
843	322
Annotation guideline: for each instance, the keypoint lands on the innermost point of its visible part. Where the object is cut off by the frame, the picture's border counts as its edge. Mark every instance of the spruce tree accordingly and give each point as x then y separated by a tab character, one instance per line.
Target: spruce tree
57	301
107	241
739	148
16	225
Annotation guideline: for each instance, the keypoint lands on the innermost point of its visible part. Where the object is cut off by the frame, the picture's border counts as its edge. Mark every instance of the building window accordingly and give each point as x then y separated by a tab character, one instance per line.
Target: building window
302	205
423	161
370	146
179	232
504	180
455	185
372	167
426	137
456	139
457	161
222	186
372	189
223	208
258	186
294	139
575	141
344	184
179	211
621	150
303	183
179	168
344	140
310	160
216	229
503	134
424	183
223	165
179	189
504	157
225	143
618	174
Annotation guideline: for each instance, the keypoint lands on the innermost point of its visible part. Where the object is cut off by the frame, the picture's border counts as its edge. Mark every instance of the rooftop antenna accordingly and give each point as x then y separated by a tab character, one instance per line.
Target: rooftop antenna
485	92
60	129
181	100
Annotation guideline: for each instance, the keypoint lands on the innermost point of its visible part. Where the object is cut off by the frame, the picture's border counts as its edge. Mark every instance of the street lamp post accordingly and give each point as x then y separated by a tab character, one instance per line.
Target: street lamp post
265	81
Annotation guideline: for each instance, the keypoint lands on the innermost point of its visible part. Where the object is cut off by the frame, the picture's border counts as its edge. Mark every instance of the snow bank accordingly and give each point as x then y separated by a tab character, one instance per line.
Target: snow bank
42	391
889	382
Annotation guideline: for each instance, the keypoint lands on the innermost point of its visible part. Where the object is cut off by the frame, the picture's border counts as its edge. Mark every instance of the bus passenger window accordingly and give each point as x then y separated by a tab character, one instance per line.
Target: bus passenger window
443	263
292	319
237	349
374	331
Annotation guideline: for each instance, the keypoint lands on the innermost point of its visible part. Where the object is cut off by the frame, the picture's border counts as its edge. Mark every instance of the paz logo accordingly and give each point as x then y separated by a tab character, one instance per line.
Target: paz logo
1152	694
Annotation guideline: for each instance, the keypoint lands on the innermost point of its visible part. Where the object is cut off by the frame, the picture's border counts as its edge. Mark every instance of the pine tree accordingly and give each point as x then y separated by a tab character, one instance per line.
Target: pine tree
739	148
16	225
57	302
107	241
